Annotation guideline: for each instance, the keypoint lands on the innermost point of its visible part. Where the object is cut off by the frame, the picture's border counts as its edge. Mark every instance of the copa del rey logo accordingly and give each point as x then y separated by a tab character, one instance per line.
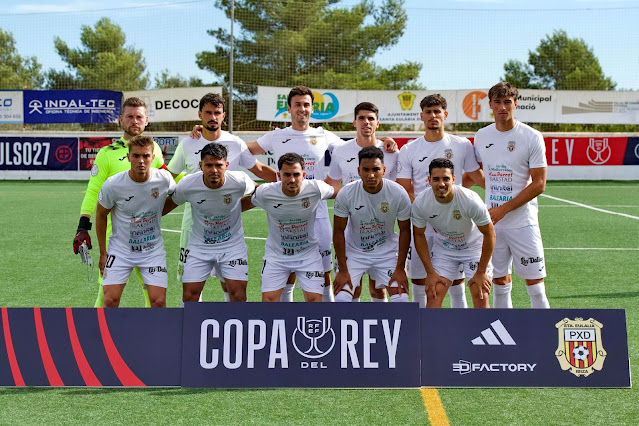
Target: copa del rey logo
233	344
580	349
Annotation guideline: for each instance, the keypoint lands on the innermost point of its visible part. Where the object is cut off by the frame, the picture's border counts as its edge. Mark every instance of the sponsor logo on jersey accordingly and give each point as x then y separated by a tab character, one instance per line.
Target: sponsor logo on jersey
406	100
580	349
284	141
422	160
312	140
433	216
457	214
306	203
228	198
384	207
129	199
277	205
489	145
511	146
359	207
155	192
448	153
350	159
200	202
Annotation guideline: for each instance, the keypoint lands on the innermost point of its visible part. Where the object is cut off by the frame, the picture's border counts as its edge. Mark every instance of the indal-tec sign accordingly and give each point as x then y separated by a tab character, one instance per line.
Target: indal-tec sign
524	347
71	106
306	345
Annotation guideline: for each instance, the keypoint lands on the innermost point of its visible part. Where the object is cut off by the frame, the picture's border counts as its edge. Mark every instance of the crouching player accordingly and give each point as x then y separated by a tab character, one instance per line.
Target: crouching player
217	237
135	199
459	217
291	246
364	234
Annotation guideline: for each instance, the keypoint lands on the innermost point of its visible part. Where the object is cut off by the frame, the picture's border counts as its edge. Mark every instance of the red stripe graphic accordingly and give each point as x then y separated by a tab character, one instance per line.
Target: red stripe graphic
590	353
124	373
83	365
13	362
571	353
45	354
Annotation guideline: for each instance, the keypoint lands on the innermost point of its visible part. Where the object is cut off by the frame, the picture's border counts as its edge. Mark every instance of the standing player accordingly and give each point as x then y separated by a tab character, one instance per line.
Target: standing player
344	166
513	156
136	199
291	246
217	238
459	217
112	159
187	159
367	210
412	174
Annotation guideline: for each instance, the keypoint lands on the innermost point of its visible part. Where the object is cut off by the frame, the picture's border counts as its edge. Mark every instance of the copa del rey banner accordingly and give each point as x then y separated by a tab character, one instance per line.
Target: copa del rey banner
464	106
177	104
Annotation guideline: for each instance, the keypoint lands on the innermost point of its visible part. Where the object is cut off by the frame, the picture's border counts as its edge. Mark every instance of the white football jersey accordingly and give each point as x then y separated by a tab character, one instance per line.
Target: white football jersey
216	213
454	222
187	155
291	220
507	158
371	218
415	157
311	144
136	211
344	162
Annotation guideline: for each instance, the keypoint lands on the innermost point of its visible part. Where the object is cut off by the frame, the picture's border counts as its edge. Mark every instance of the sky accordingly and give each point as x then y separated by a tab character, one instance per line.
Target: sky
462	44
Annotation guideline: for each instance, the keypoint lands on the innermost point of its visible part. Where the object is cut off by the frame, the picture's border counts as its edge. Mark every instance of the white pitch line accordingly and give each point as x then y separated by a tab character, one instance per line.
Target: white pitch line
630	206
593	248
586	206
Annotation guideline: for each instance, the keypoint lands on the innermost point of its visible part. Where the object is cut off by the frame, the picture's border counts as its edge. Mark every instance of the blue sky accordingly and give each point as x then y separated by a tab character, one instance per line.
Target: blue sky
463	44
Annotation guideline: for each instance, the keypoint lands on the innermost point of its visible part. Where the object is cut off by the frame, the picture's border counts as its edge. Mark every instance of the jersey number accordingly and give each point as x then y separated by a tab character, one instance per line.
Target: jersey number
289	252
183	255
109	261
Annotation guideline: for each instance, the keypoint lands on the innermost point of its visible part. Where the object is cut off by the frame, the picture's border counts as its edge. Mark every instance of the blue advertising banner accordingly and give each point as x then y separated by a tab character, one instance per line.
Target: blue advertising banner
310	345
71	106
524	348
90	347
38	153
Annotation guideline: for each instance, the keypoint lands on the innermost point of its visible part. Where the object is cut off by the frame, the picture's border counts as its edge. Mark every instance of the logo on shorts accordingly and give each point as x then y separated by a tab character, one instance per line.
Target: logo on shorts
580	349
389	272
306	203
384	207
511	146
457	214
238	262
313	140
473	265
153	270
448	153
228	198
316	274
526	260
313	338
155	192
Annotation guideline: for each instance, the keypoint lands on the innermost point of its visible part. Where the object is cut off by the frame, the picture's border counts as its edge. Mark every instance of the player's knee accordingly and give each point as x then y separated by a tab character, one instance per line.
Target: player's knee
190	295
312	297
377	293
111	301
535	281
502	280
158	302
237	293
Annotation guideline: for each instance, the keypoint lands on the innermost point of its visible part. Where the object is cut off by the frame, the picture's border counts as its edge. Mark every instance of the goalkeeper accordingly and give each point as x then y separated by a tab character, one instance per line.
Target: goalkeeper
111	160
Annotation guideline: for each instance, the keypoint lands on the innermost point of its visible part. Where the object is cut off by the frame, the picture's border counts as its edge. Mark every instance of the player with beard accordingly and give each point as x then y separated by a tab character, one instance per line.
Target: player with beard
187	159
112	159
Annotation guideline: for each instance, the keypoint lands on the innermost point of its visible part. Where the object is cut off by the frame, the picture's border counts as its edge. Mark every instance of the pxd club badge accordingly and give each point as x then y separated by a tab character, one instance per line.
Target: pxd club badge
580	349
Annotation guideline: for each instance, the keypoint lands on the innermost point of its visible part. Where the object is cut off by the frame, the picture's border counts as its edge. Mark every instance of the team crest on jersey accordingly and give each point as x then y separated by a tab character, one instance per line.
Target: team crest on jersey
306	203
228	198
457	214
448	153
94	170
155	192
313	140
384	207
511	146
580	349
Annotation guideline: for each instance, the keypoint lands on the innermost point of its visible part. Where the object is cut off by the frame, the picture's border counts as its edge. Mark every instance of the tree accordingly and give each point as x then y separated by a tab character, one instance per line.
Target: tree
16	72
311	42
104	62
559	63
164	80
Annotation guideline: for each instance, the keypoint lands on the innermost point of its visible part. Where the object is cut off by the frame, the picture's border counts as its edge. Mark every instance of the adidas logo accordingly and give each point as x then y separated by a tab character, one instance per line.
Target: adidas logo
490	338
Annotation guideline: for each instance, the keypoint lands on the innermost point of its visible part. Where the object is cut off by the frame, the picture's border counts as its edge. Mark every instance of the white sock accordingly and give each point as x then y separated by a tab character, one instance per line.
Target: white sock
399	298
287	293
343	296
181	303
328	295
457	296
419	295
537	293
200	299
226	296
356	299
375	299
501	296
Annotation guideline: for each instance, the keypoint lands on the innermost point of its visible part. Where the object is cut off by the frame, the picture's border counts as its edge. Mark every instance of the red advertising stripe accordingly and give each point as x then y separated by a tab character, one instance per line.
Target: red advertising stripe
124	373
45	354
83	365
13	362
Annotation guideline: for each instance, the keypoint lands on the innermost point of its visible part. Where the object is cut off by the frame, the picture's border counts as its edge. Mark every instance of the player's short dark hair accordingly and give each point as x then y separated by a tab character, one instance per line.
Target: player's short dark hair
215	150
133	102
370	152
502	89
441	163
299	91
290	158
433	100
213	99
366	106
142	141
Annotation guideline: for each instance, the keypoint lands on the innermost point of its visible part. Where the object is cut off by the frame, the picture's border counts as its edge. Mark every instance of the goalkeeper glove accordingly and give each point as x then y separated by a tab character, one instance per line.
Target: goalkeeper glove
82	236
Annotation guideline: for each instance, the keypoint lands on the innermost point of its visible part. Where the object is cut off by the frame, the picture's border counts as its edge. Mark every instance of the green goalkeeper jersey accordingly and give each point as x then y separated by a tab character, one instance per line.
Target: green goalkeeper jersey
110	160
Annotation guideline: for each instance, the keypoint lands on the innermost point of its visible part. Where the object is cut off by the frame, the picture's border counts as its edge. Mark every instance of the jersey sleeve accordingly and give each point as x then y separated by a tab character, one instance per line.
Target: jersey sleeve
179	196
249	184
266	141
340	208
247	160
477	144
334	171
332	140
171	182
105	196
258	195
404	165
470	160
417	215
390	162
99	174
537	157
404	208
478	211
326	191
158	161
177	164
